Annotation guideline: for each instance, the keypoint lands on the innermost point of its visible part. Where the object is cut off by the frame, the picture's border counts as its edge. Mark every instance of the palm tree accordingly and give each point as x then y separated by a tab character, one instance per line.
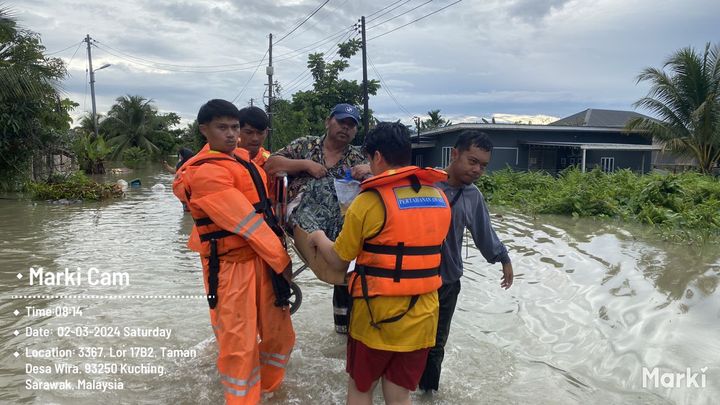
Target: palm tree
132	121
86	125
24	71
687	101
32	115
435	120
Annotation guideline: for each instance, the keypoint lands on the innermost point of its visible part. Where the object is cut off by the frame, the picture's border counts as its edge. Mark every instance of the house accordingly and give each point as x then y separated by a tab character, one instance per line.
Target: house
588	139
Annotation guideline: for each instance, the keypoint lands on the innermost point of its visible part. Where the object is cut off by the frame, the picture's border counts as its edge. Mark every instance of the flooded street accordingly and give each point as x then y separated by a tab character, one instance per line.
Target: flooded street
600	312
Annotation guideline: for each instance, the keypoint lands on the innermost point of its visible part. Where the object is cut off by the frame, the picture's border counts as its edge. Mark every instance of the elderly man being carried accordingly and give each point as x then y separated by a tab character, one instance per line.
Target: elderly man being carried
312	163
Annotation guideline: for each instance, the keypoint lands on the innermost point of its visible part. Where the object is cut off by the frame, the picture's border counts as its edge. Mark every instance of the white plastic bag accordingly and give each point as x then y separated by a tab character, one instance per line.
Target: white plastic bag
346	189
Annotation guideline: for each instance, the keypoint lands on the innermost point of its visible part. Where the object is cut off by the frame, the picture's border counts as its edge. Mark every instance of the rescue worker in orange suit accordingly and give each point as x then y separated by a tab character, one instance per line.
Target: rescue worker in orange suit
253	130
394	229
244	261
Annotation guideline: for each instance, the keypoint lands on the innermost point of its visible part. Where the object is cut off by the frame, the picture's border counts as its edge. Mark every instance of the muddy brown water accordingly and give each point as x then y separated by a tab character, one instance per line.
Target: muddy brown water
600	312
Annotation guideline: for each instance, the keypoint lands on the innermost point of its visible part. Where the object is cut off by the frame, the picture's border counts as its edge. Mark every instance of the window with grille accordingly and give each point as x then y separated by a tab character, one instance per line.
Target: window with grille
446	153
607	164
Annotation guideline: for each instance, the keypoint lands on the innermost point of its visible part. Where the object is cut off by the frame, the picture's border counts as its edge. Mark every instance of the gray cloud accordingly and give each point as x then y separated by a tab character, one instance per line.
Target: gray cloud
534	9
473	59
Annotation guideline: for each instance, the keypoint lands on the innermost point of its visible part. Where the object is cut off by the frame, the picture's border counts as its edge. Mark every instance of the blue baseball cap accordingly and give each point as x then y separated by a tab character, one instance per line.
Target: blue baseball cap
342	111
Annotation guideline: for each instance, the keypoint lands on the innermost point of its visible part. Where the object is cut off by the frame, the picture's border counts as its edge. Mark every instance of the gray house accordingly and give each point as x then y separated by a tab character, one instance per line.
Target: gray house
589	139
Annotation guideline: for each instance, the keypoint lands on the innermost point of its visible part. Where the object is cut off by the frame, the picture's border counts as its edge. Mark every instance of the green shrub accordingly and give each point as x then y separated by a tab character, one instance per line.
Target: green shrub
134	157
676	203
76	186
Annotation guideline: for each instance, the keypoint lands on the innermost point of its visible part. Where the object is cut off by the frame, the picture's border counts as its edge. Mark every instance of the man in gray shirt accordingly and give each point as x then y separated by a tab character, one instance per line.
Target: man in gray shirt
469	159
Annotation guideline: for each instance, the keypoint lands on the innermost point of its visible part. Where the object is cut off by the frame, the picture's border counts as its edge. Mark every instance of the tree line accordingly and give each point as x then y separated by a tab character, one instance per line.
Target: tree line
35	118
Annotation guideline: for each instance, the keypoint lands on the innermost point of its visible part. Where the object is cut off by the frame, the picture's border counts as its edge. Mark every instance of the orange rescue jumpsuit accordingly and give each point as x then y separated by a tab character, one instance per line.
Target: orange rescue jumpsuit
254	336
259	159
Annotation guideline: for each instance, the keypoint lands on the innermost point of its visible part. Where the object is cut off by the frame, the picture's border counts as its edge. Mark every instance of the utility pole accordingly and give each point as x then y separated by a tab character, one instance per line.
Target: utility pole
417	127
269	71
252	102
92	86
366	112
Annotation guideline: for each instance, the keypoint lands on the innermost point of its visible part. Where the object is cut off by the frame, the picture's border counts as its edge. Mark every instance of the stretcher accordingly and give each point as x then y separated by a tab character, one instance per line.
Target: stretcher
299	243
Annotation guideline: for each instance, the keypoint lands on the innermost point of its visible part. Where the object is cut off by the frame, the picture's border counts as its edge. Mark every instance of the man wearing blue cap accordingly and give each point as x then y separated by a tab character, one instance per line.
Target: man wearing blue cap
311	163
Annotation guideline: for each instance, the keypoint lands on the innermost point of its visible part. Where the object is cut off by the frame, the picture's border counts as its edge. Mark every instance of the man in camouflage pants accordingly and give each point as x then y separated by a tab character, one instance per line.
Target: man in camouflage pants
311	163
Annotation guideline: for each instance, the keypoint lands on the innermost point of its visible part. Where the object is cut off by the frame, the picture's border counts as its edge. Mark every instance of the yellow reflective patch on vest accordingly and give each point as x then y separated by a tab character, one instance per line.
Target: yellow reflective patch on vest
427	197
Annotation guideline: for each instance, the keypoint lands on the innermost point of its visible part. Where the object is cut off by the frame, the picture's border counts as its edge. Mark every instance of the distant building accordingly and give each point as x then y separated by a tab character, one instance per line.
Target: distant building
588	139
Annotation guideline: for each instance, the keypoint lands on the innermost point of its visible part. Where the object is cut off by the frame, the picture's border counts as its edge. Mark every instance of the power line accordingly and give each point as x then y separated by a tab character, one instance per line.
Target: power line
387	88
105	49
319	19
330	60
415	20
251	63
389	11
75	53
400	15
331	38
251	77
305	75
64	49
303	22
386	7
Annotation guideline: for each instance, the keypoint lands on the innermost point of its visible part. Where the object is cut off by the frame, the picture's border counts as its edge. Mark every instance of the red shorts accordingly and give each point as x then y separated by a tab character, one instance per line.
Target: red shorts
366	365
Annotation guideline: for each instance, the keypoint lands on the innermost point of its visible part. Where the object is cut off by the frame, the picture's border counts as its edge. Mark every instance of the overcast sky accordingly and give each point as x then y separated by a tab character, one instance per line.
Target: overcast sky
474	59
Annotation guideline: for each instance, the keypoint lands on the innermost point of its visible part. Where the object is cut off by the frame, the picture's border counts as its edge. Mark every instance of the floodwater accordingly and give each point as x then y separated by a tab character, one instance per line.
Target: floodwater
600	312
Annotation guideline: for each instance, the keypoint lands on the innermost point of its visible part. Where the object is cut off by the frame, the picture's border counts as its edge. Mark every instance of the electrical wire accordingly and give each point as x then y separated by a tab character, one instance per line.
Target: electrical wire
105	49
305	75
75	53
331	59
387	12
399	15
414	21
244	64
302	77
387	88
292	84
291	54
303	22
314	45
319	18
64	49
251	77
386	7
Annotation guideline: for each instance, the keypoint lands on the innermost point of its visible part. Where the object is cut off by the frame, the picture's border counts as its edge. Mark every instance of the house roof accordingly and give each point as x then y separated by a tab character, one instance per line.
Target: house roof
596	145
429	135
595	117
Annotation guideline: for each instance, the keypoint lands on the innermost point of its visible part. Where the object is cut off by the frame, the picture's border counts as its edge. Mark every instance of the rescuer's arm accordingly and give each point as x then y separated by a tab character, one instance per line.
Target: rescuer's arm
324	247
276	164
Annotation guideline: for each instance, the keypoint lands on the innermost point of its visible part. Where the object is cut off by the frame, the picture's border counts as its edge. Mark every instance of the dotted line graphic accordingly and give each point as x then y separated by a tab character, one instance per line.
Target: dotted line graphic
110	296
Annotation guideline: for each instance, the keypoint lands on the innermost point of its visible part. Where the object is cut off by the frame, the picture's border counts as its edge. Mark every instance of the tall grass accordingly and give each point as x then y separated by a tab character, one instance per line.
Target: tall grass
681	206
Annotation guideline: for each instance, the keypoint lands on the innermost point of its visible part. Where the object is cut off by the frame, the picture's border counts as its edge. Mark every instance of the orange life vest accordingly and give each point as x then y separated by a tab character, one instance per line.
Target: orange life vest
253	221
403	259
259	159
204	230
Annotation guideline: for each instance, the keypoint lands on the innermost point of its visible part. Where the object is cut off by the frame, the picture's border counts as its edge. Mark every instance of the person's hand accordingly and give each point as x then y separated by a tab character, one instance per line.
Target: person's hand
287	273
360	172
507	278
315	169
